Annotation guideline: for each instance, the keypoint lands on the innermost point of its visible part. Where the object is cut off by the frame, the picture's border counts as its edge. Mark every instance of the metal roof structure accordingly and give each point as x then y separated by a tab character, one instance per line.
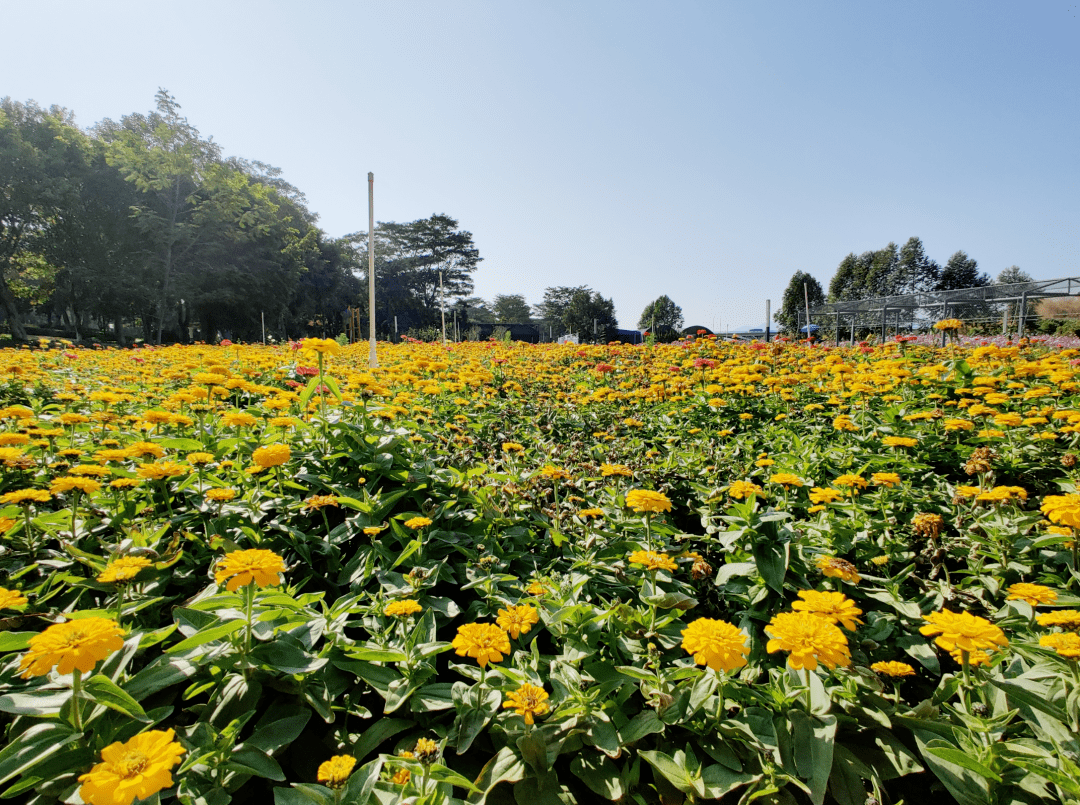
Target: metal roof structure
920	310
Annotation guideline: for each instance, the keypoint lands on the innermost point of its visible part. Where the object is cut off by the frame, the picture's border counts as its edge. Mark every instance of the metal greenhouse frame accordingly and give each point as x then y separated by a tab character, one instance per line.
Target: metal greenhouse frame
921	310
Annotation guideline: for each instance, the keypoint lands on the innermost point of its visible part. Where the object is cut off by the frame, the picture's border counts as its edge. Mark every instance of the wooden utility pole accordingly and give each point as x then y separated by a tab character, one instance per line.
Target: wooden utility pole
373	359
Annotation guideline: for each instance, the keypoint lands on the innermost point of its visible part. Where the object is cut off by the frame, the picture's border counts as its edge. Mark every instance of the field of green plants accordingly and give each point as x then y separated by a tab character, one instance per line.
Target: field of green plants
502	573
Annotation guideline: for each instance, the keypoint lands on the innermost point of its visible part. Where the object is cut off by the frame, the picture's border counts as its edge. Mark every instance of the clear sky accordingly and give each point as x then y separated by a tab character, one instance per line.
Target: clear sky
706	150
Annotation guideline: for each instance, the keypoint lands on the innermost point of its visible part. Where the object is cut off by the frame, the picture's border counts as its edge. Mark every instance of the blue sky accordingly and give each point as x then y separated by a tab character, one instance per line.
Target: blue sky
706	150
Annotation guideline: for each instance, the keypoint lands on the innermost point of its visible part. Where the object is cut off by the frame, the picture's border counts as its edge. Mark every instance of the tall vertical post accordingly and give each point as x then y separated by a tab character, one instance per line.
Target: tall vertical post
884	314
768	319
1022	320
263	314
442	308
944	315
806	298
373	359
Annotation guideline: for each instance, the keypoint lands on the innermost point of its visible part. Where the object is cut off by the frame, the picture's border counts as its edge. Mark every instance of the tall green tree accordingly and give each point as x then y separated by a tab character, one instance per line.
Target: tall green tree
410	260
961	272
842	287
511	309
42	161
882	277
591	316
194	208
1013	275
794	301
917	272
661	313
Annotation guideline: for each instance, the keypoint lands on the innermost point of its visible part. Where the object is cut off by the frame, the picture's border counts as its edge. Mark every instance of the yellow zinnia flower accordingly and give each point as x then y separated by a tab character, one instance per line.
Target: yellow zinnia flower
26	496
785	479
716	644
834	607
417	522
272	456
962	631
647	501
335	771
87	486
161	471
1033	594
1067	619
893	669
899	441
809	639
241	568
73	644
484	642
517	620
1067	644
123	569
838	569
322	346
403	609
1062	509
887	479
651	560
607	470
11	598
744	489
138	768
528	700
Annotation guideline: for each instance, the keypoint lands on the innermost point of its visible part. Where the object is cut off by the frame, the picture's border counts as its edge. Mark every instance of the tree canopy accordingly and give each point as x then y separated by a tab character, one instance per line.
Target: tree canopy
661	313
794	301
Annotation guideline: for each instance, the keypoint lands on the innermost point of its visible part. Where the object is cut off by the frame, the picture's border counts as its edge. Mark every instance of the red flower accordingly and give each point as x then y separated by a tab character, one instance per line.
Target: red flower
307	371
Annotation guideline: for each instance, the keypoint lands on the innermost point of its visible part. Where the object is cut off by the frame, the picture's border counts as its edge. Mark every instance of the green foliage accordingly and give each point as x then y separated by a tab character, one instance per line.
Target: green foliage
661	313
794	301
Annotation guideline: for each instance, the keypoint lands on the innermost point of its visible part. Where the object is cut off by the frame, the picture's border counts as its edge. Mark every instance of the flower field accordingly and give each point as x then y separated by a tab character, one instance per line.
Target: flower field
540	574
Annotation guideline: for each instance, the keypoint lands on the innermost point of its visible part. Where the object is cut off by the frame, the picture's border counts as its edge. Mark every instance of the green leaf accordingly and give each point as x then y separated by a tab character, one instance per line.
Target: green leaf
644	723
278	733
599	774
158	675
378	654
814	736
505	767
34	703
105	692
381	730
32	747
309	389
362	783
674	773
772	562
203	636
443	774
331	384
15	641
249	760
961	758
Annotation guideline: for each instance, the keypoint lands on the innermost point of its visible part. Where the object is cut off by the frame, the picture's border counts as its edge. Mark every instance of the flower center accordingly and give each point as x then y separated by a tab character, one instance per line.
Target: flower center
131	764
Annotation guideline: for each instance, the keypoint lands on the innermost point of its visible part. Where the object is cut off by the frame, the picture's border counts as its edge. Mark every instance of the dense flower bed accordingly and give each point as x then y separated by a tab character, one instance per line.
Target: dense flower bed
546	574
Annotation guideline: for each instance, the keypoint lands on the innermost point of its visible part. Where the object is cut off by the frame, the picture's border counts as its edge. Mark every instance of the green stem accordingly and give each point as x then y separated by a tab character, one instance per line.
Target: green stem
249	606
120	590
31	544
74	510
720	697
76	704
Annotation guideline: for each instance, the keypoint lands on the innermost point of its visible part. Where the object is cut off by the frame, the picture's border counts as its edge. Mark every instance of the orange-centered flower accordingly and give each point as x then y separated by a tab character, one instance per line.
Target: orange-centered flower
528	700
138	768
963	631
484	642
809	639
75	644
716	644
241	568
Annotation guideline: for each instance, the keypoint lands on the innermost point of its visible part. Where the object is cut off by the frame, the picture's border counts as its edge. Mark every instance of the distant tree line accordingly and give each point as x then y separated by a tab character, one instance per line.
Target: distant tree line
890	271
143	228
